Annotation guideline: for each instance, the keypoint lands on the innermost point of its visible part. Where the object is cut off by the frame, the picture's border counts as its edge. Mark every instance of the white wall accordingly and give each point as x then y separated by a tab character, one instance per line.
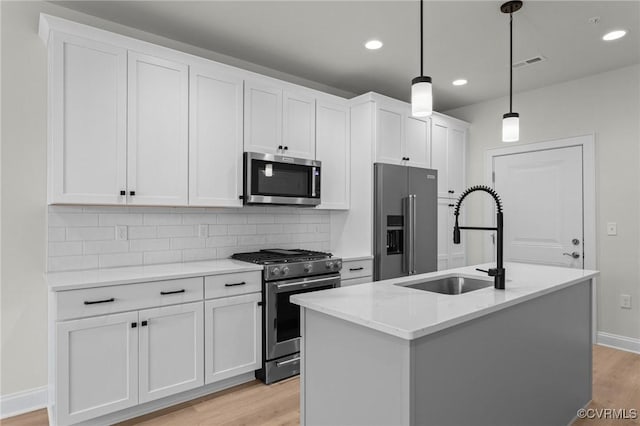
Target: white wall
608	105
23	349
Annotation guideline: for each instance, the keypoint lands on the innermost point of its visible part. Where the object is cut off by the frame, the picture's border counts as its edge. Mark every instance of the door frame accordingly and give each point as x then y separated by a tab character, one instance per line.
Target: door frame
589	243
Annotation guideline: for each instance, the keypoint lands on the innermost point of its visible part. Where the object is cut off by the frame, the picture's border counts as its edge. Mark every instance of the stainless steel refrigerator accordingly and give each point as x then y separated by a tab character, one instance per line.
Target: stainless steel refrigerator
405	210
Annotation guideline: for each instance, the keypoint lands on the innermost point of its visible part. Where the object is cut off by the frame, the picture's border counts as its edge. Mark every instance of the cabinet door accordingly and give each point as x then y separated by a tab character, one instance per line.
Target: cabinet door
416	146
171	350
455	160
215	138
262	117
96	366
88	104
449	255
439	155
233	336
333	149
158	131
299	125
389	133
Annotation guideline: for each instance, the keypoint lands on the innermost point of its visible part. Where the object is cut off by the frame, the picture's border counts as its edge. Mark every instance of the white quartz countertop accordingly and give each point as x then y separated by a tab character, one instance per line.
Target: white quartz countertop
59	281
410	313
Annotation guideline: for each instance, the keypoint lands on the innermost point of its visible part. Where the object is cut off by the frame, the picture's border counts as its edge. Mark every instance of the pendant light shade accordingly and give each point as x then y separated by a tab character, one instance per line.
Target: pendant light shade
421	89
421	97
511	120
511	127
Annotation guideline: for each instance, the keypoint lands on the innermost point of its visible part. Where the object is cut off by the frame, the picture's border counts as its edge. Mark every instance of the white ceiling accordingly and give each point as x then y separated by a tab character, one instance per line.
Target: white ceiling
323	40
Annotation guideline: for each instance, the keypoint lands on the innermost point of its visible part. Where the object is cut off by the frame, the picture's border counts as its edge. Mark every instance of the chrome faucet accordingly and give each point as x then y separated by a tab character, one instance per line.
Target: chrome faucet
498	271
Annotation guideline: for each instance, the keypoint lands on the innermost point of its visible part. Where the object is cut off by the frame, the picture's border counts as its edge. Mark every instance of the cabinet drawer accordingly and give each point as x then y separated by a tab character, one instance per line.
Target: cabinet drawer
232	284
356	269
119	298
354	281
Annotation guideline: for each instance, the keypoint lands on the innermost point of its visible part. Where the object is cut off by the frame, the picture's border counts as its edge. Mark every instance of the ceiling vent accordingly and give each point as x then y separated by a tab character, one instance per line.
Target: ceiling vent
529	61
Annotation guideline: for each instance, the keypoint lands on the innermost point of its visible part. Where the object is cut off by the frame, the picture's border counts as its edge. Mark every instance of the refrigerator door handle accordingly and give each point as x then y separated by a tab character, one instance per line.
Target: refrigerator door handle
409	231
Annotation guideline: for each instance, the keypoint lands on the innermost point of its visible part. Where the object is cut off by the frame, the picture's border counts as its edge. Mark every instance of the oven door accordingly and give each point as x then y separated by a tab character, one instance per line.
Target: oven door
282	318
277	179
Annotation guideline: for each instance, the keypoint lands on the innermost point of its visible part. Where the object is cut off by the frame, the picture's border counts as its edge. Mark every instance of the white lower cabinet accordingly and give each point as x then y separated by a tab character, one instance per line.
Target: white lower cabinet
170	350
449	255
233	336
97	366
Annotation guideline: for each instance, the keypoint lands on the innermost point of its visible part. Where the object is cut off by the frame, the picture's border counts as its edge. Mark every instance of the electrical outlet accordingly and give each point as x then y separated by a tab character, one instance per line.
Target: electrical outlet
612	228
203	231
625	301
121	232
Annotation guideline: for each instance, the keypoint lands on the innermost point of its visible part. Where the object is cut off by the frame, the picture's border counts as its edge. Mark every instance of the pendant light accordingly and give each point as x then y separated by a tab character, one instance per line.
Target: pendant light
511	120
421	92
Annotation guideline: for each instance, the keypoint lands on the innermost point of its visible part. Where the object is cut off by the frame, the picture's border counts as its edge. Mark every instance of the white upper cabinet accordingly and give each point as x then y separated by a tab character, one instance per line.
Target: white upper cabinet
448	147
279	121
299	125
215	137
333	150
88	119
158	131
262	117
400	138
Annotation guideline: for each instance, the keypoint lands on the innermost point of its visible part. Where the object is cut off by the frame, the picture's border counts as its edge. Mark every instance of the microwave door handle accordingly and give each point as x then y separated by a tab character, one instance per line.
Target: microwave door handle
313	181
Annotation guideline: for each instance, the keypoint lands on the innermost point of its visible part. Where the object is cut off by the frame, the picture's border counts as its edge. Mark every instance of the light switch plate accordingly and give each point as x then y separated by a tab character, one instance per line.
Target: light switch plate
121	232
612	228
625	301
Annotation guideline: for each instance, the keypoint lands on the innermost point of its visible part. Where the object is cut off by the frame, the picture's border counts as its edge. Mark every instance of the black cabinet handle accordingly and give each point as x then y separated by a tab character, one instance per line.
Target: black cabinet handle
260	303
356	269
134	324
123	193
132	193
452	205
143	324
235	284
95	302
279	146
286	148
451	191
408	159
164	293
240	197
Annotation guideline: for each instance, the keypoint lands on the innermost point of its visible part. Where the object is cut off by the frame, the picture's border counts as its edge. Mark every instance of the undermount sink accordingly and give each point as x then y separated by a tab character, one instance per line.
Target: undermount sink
451	285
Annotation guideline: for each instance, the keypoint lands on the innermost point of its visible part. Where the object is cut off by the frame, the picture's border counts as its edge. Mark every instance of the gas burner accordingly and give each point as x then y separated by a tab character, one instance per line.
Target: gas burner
274	256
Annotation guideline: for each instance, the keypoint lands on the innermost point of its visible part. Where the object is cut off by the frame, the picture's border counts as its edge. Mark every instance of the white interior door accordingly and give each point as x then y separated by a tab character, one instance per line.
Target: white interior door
542	194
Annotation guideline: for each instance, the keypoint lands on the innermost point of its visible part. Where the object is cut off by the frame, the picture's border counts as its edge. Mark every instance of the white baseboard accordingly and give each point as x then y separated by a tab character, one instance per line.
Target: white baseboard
23	402
615	341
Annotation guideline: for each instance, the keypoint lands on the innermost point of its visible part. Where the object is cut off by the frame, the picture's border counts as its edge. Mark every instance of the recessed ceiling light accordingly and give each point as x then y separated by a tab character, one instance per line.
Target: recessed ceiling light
373	44
459	82
614	35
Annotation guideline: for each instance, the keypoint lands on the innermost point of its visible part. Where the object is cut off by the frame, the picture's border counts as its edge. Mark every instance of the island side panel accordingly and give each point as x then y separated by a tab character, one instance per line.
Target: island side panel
529	364
352	375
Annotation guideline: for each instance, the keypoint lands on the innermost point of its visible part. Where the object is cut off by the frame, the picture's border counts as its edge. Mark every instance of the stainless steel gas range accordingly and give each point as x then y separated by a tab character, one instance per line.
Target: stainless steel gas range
287	272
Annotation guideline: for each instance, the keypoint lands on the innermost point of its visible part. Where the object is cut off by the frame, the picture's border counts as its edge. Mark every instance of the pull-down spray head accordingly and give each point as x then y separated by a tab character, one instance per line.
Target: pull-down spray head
456	232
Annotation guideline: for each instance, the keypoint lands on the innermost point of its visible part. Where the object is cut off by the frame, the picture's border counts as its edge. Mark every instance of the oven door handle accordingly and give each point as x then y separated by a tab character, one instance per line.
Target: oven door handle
305	284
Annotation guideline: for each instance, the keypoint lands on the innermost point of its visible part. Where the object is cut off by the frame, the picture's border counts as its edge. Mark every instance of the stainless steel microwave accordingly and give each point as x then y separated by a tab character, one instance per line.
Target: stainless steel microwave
282	180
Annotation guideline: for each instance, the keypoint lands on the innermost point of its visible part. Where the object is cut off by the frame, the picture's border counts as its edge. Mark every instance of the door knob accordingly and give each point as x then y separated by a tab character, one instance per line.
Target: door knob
574	254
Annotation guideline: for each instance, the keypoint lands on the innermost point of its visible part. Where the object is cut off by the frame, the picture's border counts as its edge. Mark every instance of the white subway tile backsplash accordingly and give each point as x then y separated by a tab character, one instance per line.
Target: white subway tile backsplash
176	231
104	247
120	259
187	243
90	233
120	219
150	244
84	237
66	248
170	256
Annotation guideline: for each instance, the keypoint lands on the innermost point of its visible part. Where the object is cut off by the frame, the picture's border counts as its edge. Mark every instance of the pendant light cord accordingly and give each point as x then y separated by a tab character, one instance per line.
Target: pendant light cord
511	62
421	38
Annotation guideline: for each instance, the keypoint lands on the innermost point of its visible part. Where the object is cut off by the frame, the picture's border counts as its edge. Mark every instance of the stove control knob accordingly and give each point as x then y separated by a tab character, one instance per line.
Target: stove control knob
337	265
329	265
308	267
275	271
285	270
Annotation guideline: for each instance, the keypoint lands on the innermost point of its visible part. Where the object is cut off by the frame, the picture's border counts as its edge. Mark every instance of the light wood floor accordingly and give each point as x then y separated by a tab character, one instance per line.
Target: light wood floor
616	384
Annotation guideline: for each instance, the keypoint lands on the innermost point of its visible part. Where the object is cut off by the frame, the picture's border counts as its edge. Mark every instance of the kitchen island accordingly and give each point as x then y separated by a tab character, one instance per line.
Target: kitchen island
386	354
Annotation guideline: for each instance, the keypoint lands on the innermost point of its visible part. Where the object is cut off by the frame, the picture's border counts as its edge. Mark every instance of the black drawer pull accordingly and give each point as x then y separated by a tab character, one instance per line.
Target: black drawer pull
356	269
164	293
235	284
94	302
